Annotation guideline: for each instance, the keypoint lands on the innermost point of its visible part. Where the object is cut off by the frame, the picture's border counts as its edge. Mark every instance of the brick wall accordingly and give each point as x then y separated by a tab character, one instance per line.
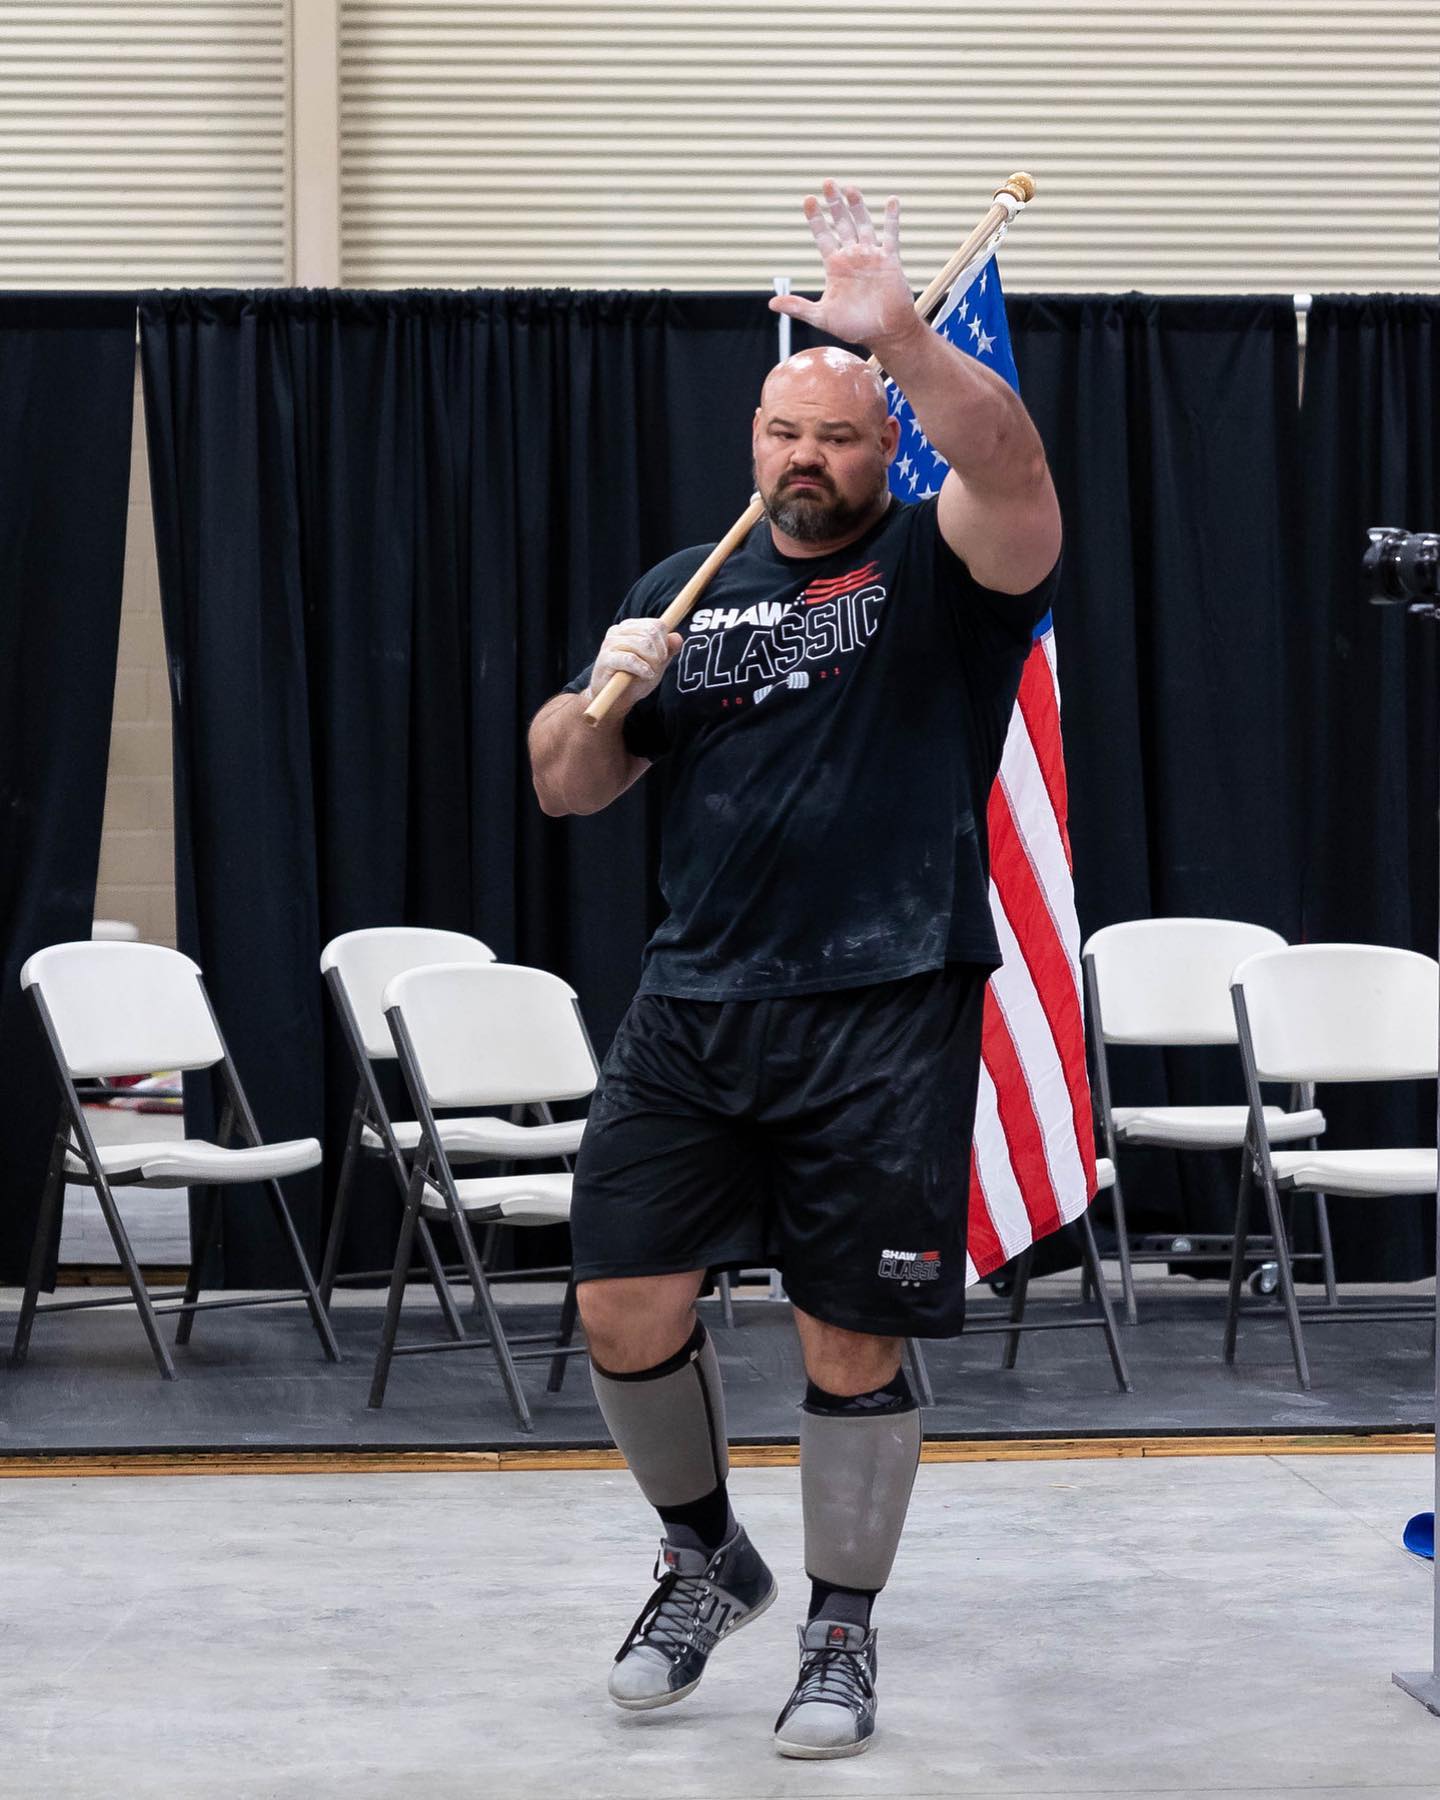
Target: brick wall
137	845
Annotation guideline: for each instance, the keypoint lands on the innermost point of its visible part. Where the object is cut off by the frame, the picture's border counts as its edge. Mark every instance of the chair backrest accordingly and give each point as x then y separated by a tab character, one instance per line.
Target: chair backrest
367	961
1167	981
1341	1012
493	1035
124	1009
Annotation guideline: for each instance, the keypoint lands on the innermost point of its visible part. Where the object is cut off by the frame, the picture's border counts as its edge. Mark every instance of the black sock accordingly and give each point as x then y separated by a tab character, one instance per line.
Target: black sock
852	1605
703	1524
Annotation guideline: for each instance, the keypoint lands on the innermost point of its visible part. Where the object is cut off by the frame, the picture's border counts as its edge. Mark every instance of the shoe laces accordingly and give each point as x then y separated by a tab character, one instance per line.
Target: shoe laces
669	1619
841	1677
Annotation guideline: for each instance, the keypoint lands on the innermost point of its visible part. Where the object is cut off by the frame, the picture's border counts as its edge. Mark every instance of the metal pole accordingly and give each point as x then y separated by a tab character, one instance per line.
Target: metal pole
1424	1684
781	284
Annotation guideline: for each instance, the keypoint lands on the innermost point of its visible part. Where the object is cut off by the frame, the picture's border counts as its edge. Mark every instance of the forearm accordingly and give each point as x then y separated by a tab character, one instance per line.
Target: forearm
578	767
975	420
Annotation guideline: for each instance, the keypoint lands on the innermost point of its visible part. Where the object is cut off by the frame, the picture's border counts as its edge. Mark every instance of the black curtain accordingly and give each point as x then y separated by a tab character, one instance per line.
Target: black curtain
389	527
1171	426
1371	447
67	379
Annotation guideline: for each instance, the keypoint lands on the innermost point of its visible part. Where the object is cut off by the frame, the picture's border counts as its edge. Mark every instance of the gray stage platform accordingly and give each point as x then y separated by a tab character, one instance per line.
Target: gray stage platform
254	1379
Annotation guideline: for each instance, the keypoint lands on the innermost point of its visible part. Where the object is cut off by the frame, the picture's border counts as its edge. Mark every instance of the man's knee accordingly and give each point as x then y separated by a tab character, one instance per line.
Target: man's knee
847	1362
635	1322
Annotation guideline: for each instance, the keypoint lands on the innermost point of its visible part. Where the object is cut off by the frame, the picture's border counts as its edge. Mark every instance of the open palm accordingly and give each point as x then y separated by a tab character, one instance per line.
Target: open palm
867	297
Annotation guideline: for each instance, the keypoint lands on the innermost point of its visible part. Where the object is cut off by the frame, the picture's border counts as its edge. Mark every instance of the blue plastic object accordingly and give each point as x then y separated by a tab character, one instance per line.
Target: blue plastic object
1420	1535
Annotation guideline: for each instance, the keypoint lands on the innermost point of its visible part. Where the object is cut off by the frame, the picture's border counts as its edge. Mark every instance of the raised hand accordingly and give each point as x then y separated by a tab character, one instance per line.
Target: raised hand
867	298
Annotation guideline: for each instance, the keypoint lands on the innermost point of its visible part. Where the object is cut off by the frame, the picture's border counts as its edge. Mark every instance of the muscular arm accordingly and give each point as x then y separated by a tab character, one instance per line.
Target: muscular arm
998	509
578	767
997	505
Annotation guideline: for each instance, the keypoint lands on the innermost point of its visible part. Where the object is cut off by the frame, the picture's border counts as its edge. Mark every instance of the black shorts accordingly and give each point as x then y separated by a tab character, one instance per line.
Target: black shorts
826	1135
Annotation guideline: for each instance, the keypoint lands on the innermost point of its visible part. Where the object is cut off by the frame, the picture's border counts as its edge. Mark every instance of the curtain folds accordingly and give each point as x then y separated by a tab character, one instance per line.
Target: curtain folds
1171	429
67	383
1371	456
390	526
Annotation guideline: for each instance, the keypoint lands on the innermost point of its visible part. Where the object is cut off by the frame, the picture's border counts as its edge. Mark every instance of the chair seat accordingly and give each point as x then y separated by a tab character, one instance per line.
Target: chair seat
1357	1172
1210	1127
488	1137
1104	1173
179	1162
507	1199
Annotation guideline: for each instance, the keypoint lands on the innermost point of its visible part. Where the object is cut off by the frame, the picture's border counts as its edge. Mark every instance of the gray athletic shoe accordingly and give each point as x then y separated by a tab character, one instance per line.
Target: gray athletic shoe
832	1710
699	1600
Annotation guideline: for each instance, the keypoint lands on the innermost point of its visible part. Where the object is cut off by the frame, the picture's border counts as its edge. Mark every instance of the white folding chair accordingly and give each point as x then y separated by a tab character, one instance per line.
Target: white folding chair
113	1008
355	968
497	1035
1318	1013
1164	982
1017	1324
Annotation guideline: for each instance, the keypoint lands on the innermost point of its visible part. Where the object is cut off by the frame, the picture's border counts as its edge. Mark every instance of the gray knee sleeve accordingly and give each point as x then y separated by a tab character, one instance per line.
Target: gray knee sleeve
856	1473
670	1428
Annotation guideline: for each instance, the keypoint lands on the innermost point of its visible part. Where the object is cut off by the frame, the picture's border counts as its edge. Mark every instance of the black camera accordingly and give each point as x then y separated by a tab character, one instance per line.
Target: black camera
1404	568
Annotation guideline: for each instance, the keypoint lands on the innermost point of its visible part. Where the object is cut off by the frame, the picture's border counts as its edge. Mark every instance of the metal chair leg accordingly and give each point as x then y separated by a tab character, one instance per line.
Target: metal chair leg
724	1287
563	1339
499	1343
394	1299
318	1315
435	1269
120	1238
489	1241
1237	1252
1327	1252
1102	1293
52	1204
920	1370
199	1254
1122	1244
340	1217
1018	1296
1287	1284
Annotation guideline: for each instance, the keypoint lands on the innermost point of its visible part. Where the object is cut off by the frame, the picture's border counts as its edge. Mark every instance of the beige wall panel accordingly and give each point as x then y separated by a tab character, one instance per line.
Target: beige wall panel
1230	146
137	839
143	144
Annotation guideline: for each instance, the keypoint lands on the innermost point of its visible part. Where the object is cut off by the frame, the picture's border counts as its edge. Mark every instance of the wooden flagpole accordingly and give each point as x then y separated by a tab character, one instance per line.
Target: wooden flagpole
1015	193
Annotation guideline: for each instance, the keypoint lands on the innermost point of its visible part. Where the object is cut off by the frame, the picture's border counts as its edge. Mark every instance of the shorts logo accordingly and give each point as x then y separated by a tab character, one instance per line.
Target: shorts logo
909	1265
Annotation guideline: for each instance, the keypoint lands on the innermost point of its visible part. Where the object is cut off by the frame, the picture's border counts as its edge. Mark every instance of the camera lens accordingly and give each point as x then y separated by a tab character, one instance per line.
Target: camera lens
1417	565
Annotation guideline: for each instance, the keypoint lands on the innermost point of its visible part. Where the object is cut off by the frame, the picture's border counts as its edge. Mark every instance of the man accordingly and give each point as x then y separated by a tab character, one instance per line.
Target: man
795	1081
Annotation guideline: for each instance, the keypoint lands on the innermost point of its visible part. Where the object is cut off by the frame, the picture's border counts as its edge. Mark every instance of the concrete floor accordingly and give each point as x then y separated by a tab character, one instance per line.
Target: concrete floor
1137	1627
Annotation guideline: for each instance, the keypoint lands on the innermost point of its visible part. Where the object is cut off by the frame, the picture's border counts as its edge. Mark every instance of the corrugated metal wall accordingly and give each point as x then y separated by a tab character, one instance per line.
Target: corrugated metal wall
143	144
1231	146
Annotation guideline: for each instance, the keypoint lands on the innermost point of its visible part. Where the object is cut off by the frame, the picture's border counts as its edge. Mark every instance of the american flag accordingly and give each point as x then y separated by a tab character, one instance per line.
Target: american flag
1033	1167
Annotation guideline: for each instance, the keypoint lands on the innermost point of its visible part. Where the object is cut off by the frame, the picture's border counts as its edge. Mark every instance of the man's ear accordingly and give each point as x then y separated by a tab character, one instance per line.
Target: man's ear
890	438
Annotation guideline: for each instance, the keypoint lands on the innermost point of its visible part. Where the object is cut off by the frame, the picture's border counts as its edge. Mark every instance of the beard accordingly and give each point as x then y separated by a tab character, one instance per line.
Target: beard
815	516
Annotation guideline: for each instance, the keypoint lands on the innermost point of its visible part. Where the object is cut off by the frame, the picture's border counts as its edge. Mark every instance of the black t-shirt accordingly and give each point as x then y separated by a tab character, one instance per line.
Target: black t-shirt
831	729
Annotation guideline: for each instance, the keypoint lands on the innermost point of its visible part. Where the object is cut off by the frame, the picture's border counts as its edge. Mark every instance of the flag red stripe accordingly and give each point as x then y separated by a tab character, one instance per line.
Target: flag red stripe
1039	707
1045	958
1016	1107
986	1250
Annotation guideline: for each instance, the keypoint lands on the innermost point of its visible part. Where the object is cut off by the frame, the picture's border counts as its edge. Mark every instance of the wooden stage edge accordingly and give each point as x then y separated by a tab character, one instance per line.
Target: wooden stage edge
71	1465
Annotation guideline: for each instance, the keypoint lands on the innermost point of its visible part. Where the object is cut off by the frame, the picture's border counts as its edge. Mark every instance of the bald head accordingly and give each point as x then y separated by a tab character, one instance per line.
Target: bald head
823	437
835	380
